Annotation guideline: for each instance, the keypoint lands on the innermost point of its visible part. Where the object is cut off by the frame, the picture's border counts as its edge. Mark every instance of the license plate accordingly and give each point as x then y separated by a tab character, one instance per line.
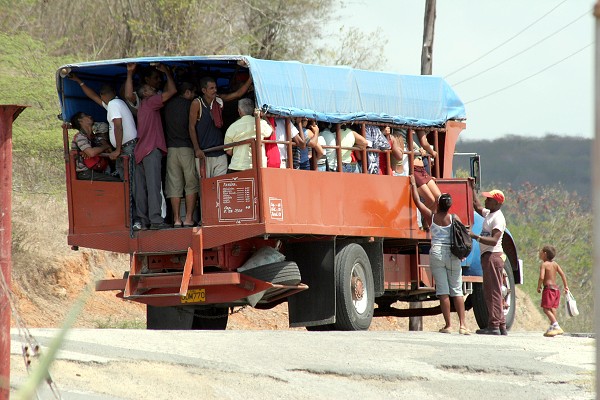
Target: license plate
194	296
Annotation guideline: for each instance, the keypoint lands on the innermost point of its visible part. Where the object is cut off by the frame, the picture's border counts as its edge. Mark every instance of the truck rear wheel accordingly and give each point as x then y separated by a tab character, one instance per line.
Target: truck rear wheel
354	289
508	293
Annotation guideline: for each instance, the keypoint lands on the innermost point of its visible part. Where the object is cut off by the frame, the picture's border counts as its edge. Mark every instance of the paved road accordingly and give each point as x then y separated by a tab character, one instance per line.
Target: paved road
139	364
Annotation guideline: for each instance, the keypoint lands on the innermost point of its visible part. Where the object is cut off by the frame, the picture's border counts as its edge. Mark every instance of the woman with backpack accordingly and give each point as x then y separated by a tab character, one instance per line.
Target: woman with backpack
445	266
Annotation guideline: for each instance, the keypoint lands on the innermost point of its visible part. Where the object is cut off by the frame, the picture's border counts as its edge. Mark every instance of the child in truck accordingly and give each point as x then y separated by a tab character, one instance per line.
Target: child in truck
551	292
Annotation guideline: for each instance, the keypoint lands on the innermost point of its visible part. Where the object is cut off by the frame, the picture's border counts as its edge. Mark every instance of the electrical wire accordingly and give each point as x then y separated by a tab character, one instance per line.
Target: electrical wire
506	41
522	51
530	76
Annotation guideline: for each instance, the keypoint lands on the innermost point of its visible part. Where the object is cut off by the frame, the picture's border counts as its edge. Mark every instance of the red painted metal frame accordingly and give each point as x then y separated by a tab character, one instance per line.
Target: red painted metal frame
8	113
274	203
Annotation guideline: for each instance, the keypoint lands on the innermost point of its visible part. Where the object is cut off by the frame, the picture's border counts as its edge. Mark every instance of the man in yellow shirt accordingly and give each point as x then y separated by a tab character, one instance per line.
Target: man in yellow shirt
242	129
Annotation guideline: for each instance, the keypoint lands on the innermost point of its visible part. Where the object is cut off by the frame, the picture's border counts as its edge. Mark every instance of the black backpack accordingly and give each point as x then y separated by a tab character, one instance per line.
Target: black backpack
461	242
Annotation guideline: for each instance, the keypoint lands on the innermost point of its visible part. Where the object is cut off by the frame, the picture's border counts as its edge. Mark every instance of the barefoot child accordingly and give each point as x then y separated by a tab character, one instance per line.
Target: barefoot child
551	293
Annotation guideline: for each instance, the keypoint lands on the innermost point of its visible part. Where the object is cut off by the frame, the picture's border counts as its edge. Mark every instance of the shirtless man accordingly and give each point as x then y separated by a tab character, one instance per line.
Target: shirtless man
551	292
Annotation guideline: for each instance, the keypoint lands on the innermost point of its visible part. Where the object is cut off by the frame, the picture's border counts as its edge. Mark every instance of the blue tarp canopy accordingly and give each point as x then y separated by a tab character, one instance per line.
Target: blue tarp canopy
289	88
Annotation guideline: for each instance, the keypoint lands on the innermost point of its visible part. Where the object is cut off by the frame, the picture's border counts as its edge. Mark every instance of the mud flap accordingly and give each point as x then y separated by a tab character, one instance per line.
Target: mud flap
315	306
172	318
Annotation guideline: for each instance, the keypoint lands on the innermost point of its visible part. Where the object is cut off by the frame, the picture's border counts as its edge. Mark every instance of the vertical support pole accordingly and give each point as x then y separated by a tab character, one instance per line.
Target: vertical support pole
416	323
257	159
436	144
8	113
596	184
338	146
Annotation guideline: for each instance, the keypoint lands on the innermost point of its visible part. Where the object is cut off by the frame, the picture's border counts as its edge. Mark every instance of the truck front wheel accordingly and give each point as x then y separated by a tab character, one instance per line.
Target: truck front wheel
508	294
354	289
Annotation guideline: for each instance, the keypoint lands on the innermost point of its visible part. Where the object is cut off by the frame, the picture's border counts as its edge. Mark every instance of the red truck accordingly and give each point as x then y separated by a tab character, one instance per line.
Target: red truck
330	244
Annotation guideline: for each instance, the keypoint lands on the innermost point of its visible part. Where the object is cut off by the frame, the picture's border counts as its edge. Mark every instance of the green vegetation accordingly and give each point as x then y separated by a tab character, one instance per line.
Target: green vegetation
27	78
541	215
547	183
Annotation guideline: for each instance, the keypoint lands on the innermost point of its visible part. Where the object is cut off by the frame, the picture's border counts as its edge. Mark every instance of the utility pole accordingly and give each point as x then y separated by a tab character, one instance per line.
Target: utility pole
428	29
416	323
596	182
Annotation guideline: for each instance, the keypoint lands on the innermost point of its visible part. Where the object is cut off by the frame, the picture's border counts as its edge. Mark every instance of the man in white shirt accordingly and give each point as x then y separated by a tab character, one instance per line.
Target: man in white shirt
492	264
242	129
281	136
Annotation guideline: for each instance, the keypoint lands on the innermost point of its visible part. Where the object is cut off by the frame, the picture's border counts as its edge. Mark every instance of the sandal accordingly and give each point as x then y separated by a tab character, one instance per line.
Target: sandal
178	225
188	225
445	330
464	331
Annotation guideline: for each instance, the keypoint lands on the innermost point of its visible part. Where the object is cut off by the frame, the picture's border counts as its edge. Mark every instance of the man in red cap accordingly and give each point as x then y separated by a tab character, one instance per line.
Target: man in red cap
492	264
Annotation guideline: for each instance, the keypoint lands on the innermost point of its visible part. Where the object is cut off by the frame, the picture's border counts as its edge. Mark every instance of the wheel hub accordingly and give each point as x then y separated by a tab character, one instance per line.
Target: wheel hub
358	288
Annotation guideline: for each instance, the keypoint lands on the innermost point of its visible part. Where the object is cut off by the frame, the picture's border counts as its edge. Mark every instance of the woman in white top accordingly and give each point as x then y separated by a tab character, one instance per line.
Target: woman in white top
445	266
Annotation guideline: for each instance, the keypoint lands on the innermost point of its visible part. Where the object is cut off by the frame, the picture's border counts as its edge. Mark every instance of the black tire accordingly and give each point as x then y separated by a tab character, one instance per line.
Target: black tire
282	273
477	300
509	293
211	318
354	289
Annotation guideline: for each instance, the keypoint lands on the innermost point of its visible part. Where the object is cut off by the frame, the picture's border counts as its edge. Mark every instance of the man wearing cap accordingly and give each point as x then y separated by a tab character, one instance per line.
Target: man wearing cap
492	264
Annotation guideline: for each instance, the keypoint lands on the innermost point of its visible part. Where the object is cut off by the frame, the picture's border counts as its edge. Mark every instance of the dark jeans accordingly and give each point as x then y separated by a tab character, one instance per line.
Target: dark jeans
493	277
148	199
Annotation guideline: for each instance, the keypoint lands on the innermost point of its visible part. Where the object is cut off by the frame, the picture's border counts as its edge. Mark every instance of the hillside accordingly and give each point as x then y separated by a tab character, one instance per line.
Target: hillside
545	161
47	275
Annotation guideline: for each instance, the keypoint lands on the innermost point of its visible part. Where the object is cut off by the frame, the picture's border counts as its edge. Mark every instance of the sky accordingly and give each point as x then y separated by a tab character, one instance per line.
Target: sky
500	101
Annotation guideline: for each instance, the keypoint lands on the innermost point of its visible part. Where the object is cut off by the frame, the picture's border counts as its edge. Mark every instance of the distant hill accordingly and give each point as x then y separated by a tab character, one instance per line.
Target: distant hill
541	161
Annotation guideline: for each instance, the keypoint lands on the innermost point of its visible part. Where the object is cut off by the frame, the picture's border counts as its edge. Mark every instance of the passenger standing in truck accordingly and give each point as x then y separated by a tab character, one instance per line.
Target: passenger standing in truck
182	176
150	147
280	134
350	138
375	140
492	264
149	76
242	129
445	266
301	153
398	156
206	121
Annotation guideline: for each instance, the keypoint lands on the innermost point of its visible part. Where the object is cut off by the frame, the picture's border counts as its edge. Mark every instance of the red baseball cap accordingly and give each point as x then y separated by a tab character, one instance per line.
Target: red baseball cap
495	194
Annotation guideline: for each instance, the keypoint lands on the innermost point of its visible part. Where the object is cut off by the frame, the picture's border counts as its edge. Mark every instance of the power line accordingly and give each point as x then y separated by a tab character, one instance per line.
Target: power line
506	41
530	76
523	51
